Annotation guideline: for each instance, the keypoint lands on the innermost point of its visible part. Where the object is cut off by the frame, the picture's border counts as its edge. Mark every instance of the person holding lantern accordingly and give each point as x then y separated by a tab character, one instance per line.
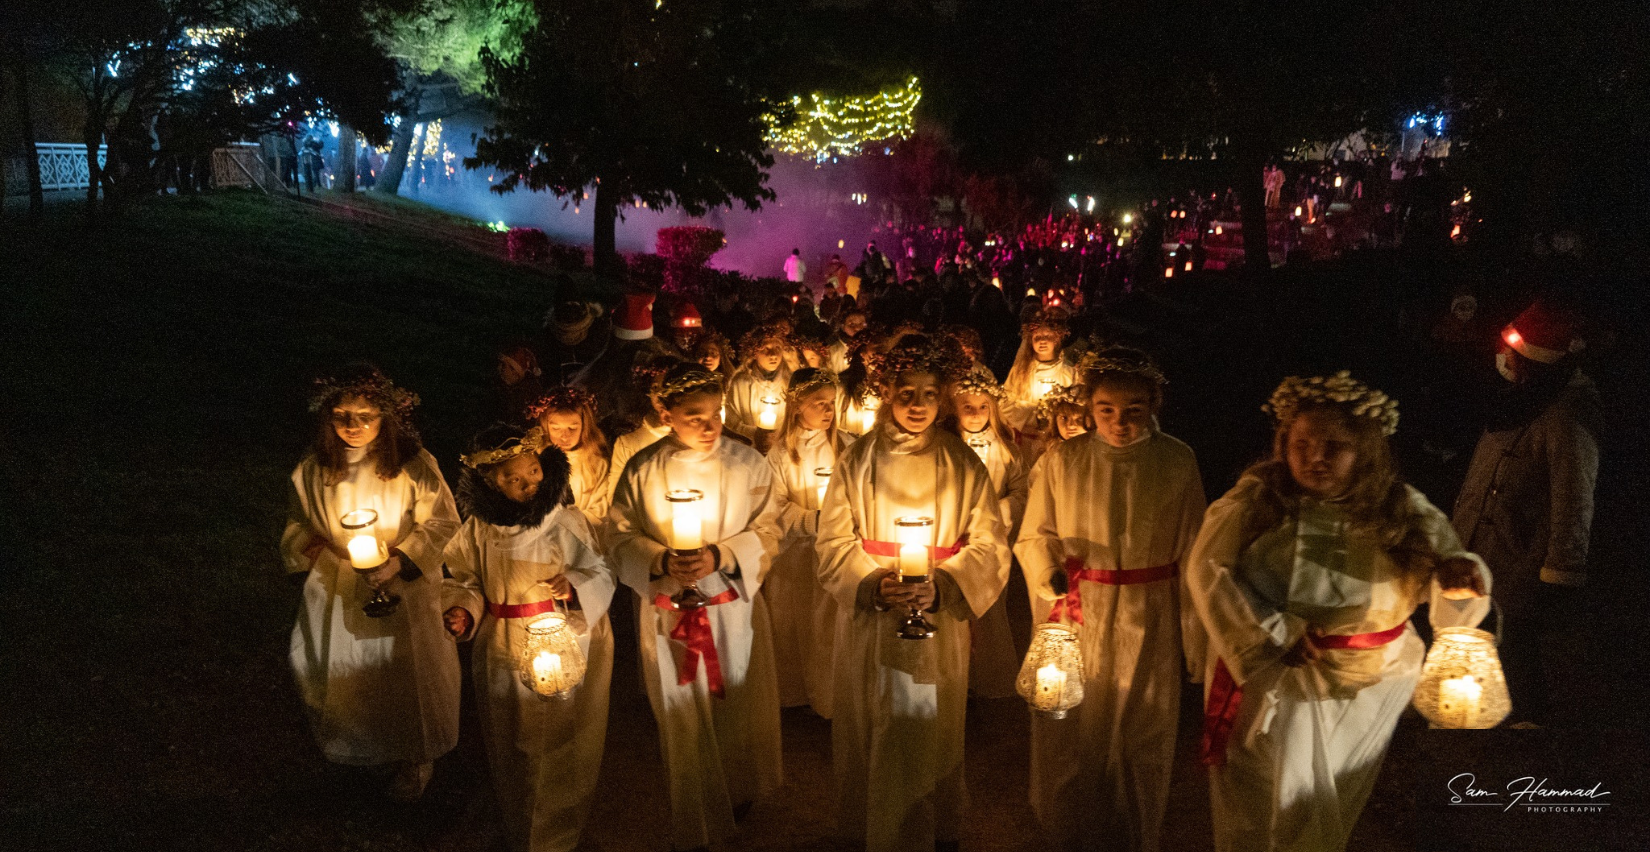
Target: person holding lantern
1038	370
803	458
381	686
907	502
1527	503
993	663
567	417
1110	518
693	529
756	394
1305	575
522	556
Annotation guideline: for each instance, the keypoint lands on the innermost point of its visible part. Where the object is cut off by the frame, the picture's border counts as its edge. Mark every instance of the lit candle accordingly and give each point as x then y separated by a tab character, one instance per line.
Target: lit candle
868	415
1046	387
1168	272
768	416
981	447
1458	701
1051	685
547	670
913	561
687	520
823	474
1218	230
366	551
914	535
1188	266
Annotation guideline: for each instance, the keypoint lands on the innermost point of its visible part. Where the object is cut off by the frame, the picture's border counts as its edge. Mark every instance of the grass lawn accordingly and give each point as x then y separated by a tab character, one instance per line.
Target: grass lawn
152	390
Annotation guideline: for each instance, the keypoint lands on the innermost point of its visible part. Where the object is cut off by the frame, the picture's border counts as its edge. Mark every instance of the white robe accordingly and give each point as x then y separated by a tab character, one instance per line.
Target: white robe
589	483
850	412
718	752
1021	413
994	664
897	725
1100	776
743	401
802	616
1308	742
628	445
544	753
378	690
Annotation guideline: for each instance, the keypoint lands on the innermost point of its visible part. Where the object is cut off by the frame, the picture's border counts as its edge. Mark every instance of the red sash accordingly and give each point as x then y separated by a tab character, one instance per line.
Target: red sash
1226	697
890	549
526	610
1071	603
693	630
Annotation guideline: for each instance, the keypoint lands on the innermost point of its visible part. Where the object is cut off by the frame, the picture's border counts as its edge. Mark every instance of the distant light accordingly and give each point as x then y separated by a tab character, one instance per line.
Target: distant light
1168	272
1031	291
333	126
1127	218
1297	210
840	243
1218	230
1512	337
1188	266
1072	201
1090	207
1071	158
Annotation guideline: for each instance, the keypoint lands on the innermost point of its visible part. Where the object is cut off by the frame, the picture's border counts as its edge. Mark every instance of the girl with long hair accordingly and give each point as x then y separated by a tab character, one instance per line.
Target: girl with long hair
757	390
567	417
381	689
1038	369
1305	575
520	555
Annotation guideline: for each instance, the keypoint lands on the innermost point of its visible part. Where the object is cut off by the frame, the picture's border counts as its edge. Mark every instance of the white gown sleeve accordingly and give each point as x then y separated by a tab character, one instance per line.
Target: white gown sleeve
435	514
463	588
1440	533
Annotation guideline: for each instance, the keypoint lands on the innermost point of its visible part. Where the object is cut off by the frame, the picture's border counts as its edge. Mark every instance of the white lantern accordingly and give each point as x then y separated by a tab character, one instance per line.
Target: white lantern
914	535
687	519
1461	684
366	553
1051	679
551	662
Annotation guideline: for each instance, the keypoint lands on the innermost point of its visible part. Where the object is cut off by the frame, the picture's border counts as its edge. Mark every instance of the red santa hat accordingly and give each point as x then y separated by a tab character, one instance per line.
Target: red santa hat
1543	333
633	319
686	316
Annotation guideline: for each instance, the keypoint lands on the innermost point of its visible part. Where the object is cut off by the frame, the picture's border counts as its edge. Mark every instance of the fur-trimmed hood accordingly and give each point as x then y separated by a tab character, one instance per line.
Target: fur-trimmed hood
479	499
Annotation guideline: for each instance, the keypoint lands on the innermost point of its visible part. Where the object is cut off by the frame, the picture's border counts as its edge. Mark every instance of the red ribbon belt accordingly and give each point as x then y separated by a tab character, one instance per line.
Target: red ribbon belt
1071	603
1226	697
693	630
526	610
890	549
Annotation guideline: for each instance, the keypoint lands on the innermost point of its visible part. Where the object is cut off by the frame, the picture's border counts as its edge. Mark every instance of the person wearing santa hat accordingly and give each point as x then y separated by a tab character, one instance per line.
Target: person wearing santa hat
1527	503
621	404
686	327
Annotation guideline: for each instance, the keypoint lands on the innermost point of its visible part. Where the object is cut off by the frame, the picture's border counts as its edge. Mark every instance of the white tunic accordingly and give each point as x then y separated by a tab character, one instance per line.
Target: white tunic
802	616
544	753
994	663
1308	741
743	401
629	444
1021	413
378	690
1100	776
589	483
719	752
897	726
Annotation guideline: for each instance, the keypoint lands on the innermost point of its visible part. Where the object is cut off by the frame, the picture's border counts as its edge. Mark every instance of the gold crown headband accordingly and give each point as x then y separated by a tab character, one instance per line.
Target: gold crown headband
1071	395
1134	365
820	378
1339	389
693	380
532	442
973	382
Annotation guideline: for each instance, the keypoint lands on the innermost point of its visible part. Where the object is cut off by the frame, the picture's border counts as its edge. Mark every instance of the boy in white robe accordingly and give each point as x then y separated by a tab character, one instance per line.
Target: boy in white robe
1111	517
708	667
519	556
379	690
1305	575
897	728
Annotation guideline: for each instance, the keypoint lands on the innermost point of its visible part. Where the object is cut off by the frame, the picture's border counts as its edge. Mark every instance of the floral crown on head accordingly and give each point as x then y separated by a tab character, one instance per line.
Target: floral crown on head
370	384
1071	395
1339	389
564	398
920	354
690	381
532	442
974	382
1051	317
1120	360
818	378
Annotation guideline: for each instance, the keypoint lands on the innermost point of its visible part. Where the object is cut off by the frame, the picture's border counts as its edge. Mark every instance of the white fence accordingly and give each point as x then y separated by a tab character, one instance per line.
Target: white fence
62	166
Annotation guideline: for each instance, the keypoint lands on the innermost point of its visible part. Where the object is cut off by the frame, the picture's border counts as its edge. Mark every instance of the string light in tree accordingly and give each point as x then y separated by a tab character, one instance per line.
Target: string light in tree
828	127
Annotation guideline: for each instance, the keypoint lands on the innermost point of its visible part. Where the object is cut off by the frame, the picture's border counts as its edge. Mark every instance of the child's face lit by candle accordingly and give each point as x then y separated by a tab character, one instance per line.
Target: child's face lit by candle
1322	453
710	358
769	356
696	419
357	421
1045	343
1122	412
564	428
916	401
810	358
817	409
973	411
1071	421
517	478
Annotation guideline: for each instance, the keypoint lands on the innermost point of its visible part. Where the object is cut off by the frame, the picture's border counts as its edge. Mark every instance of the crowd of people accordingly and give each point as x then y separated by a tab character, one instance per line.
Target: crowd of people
831	514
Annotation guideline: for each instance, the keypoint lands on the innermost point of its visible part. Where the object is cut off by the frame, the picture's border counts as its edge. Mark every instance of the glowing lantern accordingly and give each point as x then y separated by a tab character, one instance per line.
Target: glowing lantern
1051	679
366	553
1461	684
687	537
1219	230
1297	210
1337	181
823	474
868	415
1127	218
1168	272
551	662
1455	232
767	416
1188	266
915	535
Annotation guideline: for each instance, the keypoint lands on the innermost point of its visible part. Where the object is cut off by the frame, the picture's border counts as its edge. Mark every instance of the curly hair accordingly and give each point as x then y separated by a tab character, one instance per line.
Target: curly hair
574	400
397	442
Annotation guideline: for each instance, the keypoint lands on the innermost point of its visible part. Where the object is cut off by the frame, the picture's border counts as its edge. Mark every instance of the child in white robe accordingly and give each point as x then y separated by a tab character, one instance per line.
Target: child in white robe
755	396
1039	368
708	666
567	415
1111	517
379	690
993	663
897	726
520	555
803	617
1306	574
